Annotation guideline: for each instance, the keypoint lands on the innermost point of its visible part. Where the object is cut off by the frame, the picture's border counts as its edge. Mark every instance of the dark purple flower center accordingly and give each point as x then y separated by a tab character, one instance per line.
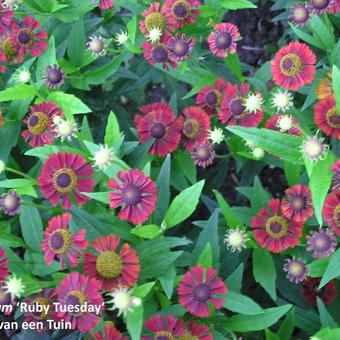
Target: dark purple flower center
57	241
223	40
157	130
72	300
202	292
320	4
181	48
236	107
33	121
60	241
54	75
160	54
211	98
275	227
298	203
131	195
181	9
322	242
25	36
64	180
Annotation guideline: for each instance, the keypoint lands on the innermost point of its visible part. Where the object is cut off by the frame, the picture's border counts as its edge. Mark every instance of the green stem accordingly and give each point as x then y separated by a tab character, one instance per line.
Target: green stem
19	173
222	156
39	206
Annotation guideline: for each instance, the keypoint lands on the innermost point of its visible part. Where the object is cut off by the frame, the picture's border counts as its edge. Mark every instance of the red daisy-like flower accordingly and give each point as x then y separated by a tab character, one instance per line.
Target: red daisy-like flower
183	11
179	47
198	287
110	268
60	243
293	66
136	194
336	175
65	174
310	291
170	328
334	7
6	17
233	110
196	124
26	37
223	40
110	333
46	298
77	290
159	53
297	205
327	117
331	211
210	98
105	4
197	332
159	123
156	17
3	264
272	124
40	124
273	231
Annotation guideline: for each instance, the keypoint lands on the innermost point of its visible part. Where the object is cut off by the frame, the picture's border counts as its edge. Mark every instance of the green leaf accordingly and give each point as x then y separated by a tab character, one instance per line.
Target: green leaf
183	205
76	42
233	63
319	183
236	4
234	281
21	91
205	258
270	335
325	317
168	281
332	270
231	220
287	326
16	183
31	227
134	322
48	57
257	322
143	290
132	29
70	104
292	172
264	271
112	133
318	267
98	196
287	147
242	304
336	86
147	231
306	37
187	166
328	334
322	32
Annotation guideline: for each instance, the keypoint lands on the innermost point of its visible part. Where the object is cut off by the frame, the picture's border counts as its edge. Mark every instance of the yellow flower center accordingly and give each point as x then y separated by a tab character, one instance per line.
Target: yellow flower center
333	118
37	123
277	226
191	128
336	215
75	298
65	180
41	302
155	20
164	335
60	241
109	265
188	336
291	65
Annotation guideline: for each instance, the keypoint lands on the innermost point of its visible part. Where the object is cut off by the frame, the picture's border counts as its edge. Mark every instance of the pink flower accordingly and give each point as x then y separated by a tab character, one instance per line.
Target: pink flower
183	11
3	264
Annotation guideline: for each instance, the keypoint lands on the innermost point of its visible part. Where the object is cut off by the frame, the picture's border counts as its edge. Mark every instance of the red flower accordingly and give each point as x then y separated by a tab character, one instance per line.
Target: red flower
163	329
336	175
46	298
327	117
110	268
60	243
223	40
105	4
334	7
79	290
156	17
64	174
2	67
233	110
210	98
110	333
6	17
293	66
198	332
273	231
179	47
40	124
3	264
331	211
136	194
272	124
26	38
297	205
183	11
310	291
198	287
159	123
196	124
159	52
